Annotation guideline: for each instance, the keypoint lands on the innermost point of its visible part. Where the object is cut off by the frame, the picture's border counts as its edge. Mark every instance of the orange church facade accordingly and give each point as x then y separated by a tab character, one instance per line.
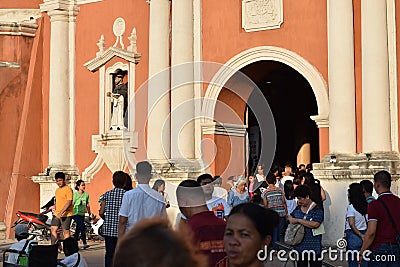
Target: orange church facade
327	71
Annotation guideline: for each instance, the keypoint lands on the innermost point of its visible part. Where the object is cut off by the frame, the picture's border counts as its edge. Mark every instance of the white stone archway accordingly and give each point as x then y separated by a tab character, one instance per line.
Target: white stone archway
262	53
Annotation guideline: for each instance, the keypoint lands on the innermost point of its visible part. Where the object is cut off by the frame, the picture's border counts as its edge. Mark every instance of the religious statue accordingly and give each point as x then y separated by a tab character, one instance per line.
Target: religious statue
119	99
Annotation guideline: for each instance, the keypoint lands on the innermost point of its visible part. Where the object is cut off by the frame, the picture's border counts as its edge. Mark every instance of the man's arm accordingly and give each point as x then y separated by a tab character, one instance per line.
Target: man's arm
122	226
102	209
66	206
369	236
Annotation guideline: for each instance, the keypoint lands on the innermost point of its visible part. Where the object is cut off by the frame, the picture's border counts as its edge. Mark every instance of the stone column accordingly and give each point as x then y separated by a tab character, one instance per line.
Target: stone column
62	85
375	77
158	125
342	114
182	88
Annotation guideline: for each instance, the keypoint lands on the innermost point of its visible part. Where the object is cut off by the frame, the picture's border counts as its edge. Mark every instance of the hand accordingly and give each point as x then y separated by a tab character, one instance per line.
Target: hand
58	216
293	220
108	94
360	257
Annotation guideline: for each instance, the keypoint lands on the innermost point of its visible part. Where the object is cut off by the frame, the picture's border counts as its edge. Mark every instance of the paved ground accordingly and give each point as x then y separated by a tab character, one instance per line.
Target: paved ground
94	255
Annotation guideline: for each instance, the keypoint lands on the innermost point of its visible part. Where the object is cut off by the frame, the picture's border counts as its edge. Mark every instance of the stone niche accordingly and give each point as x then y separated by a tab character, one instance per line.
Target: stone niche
117	141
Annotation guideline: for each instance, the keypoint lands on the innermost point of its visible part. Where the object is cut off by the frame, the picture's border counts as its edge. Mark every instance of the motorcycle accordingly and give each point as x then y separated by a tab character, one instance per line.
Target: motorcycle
39	225
36	223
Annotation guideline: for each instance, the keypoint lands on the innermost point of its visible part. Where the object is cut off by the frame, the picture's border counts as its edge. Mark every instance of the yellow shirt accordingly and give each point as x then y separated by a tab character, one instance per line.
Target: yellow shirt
62	195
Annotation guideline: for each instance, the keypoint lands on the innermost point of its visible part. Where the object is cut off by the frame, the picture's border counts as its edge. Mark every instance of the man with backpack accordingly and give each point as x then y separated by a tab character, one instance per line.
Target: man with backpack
23	246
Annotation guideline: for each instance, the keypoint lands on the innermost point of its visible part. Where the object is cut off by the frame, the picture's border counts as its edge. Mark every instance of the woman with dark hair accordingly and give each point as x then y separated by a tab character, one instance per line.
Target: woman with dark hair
317	192
249	229
159	186
109	211
291	201
310	215
80	202
356	221
128	182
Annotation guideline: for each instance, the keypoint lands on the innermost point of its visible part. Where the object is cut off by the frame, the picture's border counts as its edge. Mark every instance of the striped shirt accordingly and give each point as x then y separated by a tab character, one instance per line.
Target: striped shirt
275	197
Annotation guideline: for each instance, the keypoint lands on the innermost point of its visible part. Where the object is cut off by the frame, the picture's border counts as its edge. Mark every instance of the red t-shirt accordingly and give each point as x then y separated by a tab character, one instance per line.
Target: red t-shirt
376	212
209	234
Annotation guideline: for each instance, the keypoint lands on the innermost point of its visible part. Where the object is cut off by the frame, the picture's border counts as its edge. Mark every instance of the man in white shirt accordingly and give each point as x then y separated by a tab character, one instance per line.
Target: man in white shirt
140	202
215	204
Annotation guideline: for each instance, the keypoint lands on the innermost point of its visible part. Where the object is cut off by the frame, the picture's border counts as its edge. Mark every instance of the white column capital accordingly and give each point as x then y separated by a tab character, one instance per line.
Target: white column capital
60	10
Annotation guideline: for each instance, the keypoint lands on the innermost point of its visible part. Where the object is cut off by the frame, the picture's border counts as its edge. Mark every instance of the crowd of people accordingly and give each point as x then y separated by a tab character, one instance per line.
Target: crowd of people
218	231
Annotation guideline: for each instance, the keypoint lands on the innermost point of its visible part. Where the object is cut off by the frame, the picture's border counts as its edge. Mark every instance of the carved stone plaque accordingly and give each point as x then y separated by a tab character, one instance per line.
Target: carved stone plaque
258	15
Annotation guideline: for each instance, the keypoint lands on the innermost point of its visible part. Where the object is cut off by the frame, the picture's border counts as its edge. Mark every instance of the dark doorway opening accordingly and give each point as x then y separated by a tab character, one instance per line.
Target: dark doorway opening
292	102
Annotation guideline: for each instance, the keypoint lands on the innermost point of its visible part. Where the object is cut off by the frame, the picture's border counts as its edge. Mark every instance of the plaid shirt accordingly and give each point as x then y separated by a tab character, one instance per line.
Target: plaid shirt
113	201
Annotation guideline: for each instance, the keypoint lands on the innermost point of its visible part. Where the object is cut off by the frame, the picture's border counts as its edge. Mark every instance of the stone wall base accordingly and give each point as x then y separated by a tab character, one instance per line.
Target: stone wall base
3	229
337	171
47	182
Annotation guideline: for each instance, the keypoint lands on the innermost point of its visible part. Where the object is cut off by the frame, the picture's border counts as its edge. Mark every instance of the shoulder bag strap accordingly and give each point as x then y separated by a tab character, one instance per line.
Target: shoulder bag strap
312	205
23	249
78	261
365	218
390	215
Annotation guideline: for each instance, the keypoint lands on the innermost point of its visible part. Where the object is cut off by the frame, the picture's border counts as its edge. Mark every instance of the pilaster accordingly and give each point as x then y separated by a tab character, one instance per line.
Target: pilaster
342	114
158	138
375	77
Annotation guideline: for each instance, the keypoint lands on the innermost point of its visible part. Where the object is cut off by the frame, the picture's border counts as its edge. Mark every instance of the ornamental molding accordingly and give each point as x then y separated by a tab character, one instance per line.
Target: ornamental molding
219	128
49	5
322	120
259	15
116	150
18	28
105	57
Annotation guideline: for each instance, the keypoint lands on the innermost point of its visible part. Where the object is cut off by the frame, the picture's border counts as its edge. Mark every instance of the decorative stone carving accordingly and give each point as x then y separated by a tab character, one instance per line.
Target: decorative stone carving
119	30
114	146
113	149
258	15
101	45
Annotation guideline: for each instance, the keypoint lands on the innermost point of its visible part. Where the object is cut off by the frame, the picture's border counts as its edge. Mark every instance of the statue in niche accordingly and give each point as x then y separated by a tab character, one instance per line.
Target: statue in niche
119	100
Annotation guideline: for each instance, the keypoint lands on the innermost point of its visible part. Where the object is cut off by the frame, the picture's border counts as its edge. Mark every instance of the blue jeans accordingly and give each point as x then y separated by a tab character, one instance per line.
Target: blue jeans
80	228
277	232
354	242
386	255
111	243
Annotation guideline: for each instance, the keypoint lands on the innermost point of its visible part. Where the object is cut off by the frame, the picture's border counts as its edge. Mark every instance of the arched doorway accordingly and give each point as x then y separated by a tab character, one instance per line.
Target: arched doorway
259	54
292	103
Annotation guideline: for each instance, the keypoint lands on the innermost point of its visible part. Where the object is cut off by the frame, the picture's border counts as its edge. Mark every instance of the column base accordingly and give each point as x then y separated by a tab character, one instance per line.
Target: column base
337	171
357	166
177	170
71	173
3	229
47	182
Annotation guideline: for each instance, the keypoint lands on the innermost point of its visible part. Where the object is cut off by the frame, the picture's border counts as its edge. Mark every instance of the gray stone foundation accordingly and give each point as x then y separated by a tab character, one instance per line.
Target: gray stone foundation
337	171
